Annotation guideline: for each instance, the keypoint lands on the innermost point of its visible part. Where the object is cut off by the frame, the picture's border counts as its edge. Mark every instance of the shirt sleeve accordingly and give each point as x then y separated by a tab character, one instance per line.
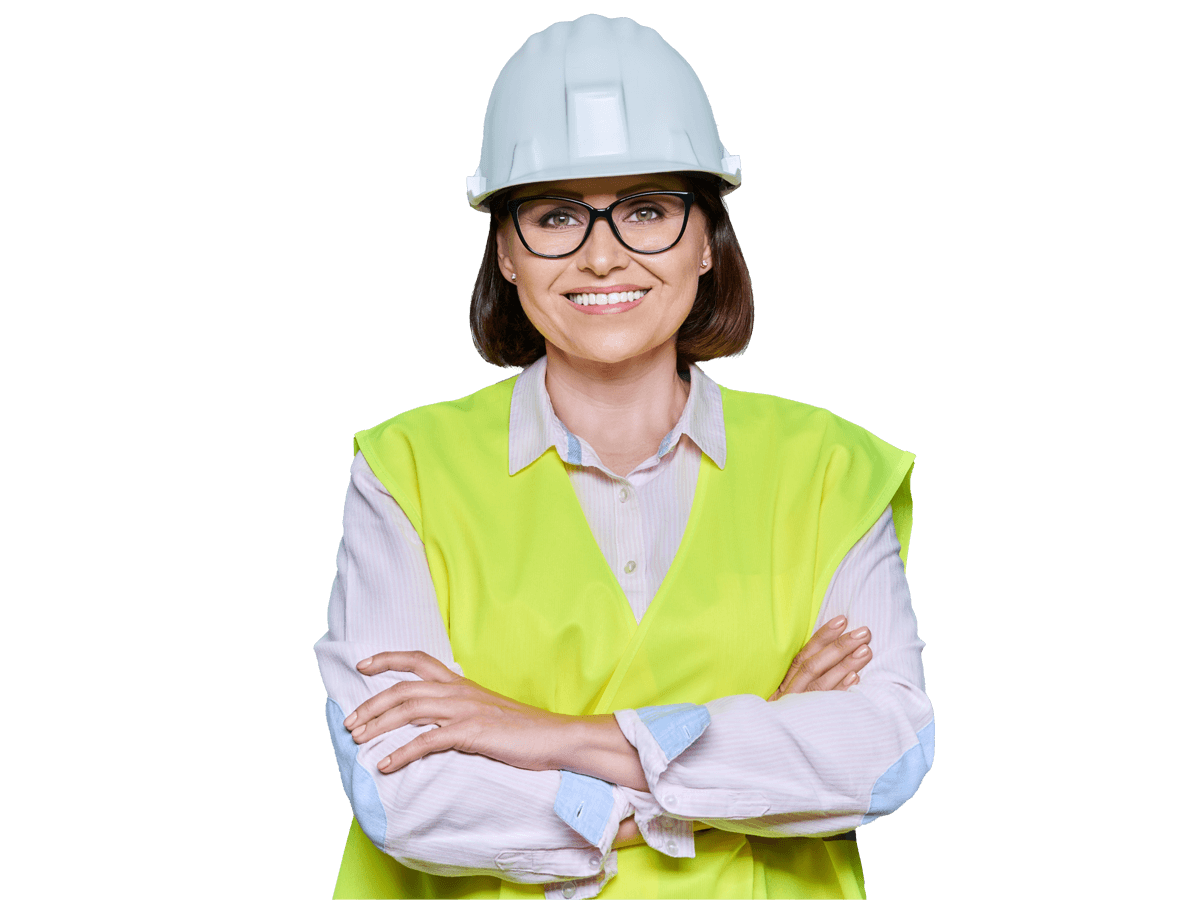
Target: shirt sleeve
448	813
818	763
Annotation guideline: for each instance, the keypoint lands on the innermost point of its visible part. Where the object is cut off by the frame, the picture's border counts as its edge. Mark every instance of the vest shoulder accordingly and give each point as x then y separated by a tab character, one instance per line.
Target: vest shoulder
474	411
780	418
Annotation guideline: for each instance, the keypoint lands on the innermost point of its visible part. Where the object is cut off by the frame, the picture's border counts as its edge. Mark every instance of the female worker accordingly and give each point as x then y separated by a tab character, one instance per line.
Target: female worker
620	557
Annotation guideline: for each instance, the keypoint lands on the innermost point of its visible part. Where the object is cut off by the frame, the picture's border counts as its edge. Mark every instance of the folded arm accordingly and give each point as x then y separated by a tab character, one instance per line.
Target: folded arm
814	763
448	813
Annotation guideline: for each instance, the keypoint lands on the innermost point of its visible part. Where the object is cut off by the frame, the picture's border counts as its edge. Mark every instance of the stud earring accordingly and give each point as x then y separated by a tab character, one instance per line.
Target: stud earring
703	263
514	276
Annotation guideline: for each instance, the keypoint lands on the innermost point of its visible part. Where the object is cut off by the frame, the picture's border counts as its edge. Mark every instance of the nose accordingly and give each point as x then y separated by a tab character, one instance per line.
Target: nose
602	252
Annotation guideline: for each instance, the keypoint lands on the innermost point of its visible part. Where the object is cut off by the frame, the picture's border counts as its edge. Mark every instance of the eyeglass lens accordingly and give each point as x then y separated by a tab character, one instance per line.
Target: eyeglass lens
646	223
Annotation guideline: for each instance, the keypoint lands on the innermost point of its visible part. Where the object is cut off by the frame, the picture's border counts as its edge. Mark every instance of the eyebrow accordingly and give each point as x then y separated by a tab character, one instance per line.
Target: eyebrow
635	189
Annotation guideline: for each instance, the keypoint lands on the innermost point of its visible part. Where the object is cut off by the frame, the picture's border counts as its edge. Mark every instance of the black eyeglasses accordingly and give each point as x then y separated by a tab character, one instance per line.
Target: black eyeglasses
650	222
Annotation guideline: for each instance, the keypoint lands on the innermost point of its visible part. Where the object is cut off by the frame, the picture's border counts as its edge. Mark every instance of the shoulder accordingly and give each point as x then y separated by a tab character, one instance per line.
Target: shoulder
449	413
767	419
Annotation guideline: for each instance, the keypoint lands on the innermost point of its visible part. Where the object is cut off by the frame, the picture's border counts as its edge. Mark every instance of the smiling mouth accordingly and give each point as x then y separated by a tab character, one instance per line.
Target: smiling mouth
606	299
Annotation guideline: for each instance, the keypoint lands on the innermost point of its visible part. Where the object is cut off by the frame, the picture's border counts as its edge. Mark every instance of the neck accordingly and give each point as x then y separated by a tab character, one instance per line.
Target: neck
623	410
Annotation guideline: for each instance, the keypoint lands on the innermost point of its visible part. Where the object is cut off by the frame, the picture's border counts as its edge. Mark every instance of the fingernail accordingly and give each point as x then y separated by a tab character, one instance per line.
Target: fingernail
860	632
839	622
861	652
365	662
385	762
852	679
350	719
358	731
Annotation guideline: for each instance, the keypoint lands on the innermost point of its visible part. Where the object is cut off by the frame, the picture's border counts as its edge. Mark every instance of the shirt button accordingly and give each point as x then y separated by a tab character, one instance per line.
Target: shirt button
672	848
597	861
670	799
624	495
569	890
629	567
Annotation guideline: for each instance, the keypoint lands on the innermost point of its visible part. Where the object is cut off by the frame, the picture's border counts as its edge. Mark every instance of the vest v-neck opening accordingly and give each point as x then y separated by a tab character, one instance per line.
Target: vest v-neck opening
642	628
581	519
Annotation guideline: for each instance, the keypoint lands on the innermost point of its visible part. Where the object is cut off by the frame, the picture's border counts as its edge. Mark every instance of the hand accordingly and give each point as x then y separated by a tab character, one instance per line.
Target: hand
829	661
471	718
628	834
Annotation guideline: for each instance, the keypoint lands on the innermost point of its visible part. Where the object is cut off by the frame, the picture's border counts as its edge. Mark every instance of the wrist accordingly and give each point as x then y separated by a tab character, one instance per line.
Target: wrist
595	746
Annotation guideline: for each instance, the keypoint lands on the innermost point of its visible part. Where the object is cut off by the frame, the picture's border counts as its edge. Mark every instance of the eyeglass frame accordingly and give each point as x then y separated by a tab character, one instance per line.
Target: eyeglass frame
688	197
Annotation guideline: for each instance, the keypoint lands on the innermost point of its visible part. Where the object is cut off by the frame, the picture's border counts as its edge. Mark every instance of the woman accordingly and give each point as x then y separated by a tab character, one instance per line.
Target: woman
611	731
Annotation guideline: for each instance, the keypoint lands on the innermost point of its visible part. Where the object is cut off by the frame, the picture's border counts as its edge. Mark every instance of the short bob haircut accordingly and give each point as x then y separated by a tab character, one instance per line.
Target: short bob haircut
718	325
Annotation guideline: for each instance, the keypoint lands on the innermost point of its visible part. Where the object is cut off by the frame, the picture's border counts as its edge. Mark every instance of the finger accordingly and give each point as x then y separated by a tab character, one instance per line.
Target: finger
830	668
825	659
433	741
835	656
417	711
823	637
837	677
420	663
394	695
379	714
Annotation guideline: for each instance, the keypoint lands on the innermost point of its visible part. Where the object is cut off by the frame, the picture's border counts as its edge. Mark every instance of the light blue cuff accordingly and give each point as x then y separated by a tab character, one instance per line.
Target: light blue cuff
586	804
675	727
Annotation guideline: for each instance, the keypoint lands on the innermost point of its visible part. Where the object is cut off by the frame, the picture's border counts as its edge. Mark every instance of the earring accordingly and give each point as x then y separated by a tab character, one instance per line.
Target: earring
703	263
514	276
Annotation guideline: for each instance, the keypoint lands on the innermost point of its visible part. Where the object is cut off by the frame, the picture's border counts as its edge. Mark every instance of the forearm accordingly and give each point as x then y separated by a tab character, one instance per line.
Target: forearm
455	813
821	762
596	746
808	764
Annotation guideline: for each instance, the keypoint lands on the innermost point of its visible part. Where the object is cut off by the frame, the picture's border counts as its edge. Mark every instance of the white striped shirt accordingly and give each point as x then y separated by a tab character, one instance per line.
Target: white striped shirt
848	756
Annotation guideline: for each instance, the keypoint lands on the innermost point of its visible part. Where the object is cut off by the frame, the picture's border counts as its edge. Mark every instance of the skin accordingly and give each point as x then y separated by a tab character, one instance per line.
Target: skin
612	380
473	719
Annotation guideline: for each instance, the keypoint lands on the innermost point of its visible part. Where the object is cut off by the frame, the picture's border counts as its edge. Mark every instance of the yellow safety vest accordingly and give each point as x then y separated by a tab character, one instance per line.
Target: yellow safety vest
521	581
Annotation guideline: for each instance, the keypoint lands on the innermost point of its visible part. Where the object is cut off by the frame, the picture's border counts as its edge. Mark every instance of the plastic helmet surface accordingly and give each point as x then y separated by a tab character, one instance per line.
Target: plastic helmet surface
592	98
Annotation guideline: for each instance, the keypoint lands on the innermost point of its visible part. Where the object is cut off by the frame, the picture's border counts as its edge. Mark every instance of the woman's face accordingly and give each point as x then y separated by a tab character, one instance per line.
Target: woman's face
551	290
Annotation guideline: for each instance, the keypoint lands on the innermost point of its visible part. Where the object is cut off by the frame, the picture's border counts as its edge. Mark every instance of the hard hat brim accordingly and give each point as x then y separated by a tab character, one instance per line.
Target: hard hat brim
606	170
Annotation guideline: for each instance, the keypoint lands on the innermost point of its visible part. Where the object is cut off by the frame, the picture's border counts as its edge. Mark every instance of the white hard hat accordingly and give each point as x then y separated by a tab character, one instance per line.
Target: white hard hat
592	98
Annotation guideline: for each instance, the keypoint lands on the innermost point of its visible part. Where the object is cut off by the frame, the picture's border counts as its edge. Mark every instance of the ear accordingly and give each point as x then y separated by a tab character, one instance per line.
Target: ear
706	257
507	269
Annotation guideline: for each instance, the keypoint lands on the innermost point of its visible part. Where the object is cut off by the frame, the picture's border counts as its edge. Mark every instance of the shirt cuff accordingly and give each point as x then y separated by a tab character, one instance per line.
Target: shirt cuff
661	733
590	807
666	834
594	810
583	888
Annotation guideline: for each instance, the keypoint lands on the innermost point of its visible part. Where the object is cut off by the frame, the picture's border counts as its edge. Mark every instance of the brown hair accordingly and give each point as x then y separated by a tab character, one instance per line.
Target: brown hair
718	325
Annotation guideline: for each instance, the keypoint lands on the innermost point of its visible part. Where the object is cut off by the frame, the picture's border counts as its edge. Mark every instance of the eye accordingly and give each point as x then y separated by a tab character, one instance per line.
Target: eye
646	212
559	218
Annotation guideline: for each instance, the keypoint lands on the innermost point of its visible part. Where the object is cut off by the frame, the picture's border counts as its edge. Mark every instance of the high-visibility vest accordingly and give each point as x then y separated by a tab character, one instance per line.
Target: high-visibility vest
534	612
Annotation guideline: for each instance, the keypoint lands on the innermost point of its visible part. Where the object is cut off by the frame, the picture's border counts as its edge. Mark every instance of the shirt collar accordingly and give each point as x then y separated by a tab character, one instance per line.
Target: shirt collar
533	428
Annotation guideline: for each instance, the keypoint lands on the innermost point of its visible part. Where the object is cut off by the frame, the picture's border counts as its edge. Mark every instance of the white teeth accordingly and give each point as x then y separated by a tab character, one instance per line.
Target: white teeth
605	299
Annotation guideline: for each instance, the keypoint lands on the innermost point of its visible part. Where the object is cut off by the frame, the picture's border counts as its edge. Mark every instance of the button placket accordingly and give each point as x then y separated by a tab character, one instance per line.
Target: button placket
629	529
